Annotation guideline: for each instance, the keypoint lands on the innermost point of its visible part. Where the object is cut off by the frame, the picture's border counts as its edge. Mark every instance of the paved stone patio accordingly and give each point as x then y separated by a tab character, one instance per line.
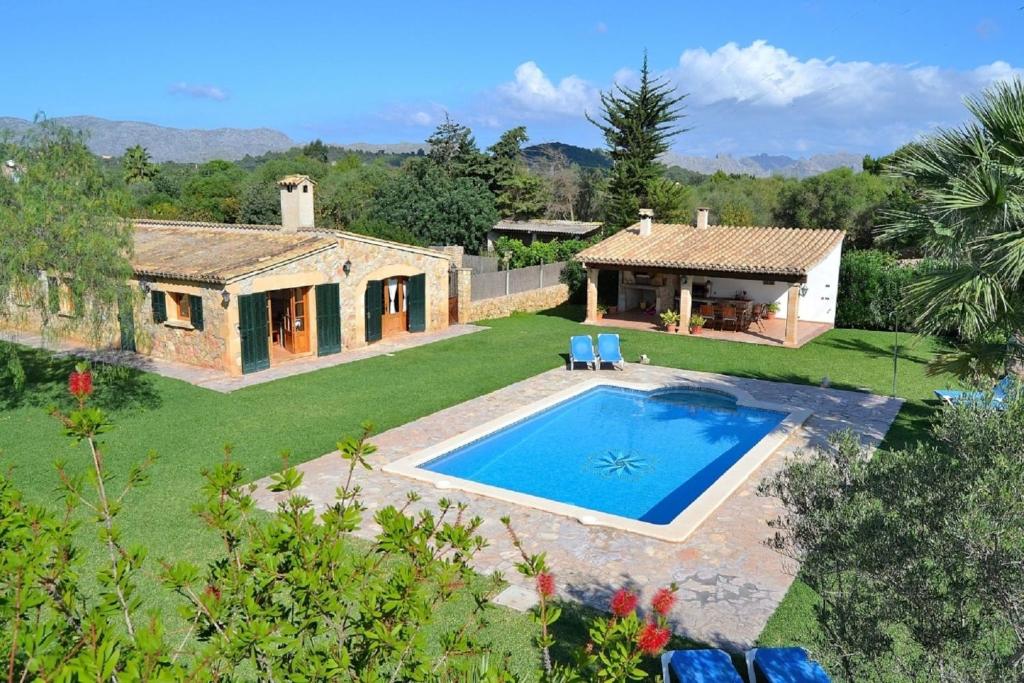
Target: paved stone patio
730	583
218	380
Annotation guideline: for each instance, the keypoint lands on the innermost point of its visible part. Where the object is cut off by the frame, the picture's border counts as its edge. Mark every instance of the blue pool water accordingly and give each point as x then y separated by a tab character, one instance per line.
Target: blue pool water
640	455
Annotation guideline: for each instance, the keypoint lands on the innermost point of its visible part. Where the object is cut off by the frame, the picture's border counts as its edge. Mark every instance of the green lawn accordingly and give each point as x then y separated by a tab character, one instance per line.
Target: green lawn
305	415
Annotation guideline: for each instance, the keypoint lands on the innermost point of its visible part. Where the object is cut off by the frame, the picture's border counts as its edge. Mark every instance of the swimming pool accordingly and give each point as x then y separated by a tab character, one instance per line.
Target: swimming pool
611	453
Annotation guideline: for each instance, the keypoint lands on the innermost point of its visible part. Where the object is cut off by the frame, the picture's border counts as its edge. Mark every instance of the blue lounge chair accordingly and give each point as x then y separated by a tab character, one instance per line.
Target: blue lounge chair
698	666
1000	394
783	665
608	350
581	350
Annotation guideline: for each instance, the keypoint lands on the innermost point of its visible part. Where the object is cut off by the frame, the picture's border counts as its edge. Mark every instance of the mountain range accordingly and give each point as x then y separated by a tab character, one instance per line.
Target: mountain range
192	145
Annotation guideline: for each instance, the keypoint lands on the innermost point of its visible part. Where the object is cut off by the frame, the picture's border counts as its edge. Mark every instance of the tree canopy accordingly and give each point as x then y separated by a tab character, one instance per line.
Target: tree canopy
637	124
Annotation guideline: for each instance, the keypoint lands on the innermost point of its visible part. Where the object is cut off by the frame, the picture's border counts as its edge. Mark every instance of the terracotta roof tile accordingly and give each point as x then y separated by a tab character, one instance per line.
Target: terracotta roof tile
212	252
720	248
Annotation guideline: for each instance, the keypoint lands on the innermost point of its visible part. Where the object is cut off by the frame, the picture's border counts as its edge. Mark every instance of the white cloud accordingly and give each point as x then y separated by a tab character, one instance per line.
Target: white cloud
209	92
532	94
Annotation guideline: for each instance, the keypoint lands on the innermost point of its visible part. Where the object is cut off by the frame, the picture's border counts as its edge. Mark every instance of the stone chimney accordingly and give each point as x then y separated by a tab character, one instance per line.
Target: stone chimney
296	202
702	218
646	217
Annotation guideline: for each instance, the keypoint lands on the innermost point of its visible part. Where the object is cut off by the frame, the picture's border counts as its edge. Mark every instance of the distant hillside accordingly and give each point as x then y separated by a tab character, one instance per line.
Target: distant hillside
111	138
764	165
587	158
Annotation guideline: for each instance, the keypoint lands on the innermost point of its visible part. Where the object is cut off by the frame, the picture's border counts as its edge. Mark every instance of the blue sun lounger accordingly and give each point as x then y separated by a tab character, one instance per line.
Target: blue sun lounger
999	395
783	665
609	351
698	666
581	350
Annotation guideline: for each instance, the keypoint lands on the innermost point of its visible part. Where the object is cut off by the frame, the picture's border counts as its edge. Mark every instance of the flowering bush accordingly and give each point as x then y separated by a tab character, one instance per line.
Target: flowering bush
291	597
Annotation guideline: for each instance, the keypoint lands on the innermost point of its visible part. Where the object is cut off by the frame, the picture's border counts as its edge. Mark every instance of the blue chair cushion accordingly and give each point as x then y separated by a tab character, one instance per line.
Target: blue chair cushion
581	349
787	665
608	348
703	666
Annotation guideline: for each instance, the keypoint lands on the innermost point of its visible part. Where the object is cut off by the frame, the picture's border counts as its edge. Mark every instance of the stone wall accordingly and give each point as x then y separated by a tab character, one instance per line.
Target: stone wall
176	340
502	306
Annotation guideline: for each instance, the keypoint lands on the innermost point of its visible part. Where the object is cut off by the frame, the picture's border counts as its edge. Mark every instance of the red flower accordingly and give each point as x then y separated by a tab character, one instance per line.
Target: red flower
653	639
663	601
545	584
623	603
80	383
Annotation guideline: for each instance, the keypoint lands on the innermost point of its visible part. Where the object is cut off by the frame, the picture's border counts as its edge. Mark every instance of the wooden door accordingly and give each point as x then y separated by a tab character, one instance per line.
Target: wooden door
253	330
299	309
395	318
328	319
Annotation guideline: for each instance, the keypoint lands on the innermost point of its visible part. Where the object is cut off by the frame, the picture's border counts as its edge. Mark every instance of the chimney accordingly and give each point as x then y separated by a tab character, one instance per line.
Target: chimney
645	221
702	218
296	202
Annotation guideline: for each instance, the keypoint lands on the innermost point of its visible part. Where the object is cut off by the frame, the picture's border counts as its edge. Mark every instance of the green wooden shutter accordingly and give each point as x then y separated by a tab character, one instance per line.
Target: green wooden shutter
373	303
195	308
416	301
328	319
53	294
252	328
159	307
126	320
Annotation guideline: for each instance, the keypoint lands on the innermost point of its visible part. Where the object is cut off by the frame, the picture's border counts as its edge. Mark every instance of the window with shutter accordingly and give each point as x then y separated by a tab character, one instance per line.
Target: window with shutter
195	309
159	307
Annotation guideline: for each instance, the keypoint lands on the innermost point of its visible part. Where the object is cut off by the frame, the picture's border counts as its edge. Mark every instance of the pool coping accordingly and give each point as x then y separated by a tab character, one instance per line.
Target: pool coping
676	531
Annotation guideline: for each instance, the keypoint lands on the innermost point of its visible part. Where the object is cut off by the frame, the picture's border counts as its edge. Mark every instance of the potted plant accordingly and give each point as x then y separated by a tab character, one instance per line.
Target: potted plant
697	323
601	310
670	319
770	310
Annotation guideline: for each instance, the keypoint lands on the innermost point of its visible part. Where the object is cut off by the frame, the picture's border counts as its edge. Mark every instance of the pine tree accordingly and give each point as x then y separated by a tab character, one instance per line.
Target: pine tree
453	148
518	194
637	124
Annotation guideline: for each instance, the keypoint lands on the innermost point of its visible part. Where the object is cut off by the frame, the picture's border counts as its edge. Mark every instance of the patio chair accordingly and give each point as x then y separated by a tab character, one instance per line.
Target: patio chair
757	315
729	315
581	350
608	351
1000	394
698	666
707	311
783	665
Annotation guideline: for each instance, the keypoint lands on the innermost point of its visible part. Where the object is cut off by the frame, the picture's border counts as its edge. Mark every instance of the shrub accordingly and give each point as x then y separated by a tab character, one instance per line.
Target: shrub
917	556
292	597
870	290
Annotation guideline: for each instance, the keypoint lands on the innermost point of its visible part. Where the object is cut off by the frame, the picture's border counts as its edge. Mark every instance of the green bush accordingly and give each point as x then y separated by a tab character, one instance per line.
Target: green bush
870	289
519	255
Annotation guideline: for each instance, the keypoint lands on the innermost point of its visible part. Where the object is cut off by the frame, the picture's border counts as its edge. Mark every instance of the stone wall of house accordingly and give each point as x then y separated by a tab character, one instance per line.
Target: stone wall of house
176	340
502	306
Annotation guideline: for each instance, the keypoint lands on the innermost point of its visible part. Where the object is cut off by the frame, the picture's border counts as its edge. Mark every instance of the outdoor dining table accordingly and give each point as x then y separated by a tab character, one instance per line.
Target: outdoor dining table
744	308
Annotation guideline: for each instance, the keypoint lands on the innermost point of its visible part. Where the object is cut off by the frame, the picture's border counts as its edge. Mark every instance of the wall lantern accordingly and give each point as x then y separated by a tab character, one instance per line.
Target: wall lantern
803	290
225	297
683	279
347	267
145	286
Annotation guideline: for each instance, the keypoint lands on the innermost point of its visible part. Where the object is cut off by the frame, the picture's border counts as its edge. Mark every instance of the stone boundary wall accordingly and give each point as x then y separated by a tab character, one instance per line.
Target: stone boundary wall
503	306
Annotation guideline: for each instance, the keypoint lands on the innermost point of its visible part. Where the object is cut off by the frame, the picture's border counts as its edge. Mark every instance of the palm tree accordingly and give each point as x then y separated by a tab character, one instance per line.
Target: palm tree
137	165
968	218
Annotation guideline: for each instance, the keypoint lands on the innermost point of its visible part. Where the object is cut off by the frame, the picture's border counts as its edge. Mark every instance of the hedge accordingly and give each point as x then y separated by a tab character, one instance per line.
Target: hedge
870	289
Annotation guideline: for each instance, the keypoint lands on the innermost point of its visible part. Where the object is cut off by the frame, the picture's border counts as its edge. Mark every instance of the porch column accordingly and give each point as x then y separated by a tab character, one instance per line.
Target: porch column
685	303
792	313
592	295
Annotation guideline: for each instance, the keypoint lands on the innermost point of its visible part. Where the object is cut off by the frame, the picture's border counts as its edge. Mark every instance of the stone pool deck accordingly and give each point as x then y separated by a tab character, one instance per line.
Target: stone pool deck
730	583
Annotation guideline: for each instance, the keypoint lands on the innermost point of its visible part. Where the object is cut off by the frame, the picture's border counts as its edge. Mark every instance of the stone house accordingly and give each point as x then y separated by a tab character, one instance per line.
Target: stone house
242	298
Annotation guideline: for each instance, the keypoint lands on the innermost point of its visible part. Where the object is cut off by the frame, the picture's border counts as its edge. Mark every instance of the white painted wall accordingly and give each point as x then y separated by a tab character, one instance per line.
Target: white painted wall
819	304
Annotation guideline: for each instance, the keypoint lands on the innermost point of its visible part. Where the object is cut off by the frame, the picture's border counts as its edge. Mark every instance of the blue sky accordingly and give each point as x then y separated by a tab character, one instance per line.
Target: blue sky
776	77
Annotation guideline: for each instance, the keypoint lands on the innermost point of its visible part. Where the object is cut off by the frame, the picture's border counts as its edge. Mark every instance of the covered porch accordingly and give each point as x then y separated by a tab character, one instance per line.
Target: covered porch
773	332
644	294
